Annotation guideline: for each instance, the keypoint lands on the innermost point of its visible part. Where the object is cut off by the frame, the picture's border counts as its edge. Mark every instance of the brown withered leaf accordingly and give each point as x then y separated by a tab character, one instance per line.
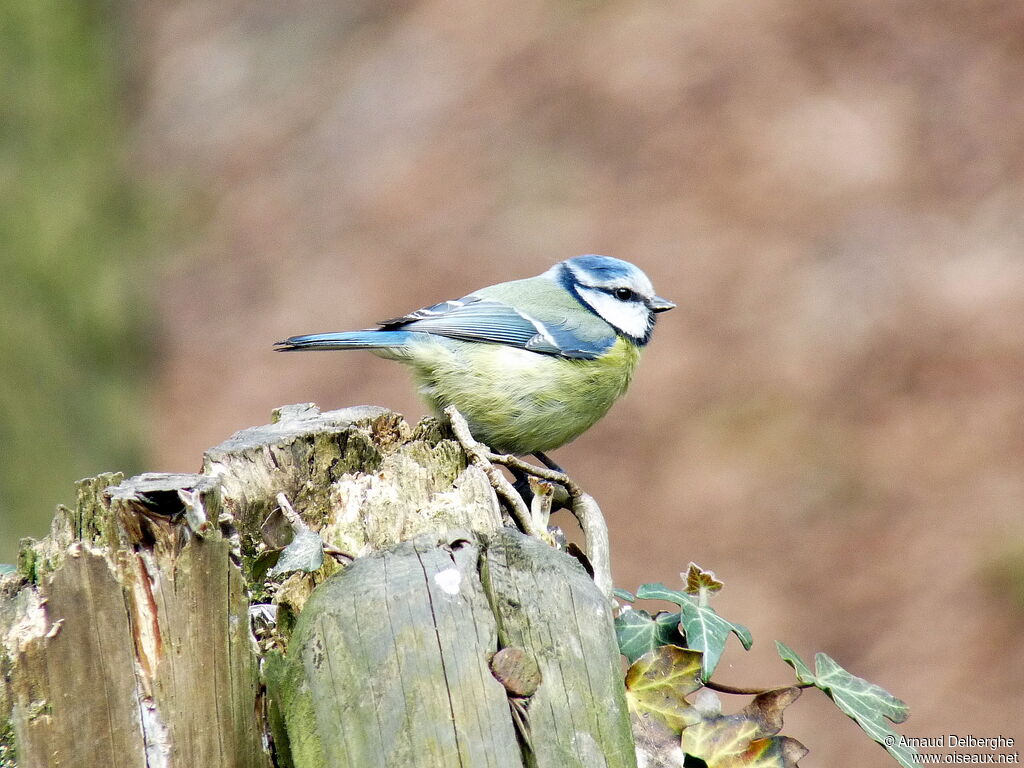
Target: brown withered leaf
698	579
747	739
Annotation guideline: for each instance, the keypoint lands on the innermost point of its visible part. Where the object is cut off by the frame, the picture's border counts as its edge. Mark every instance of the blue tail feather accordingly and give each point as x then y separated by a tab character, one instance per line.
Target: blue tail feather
347	340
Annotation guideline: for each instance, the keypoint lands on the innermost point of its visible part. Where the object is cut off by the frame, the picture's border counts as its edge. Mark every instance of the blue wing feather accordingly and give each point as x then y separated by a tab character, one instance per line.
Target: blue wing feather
474	318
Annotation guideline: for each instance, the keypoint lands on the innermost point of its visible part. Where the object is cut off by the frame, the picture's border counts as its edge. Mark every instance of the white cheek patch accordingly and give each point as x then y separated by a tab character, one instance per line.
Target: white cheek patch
630	317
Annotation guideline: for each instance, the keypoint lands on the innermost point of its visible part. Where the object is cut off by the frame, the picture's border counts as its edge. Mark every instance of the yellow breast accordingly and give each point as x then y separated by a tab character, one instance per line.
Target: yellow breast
518	401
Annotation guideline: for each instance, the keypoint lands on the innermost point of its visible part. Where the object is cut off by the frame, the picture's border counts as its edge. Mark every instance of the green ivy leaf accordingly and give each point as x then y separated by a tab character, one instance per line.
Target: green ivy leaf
638	632
305	553
635	630
624	595
705	630
803	672
669	630
867	704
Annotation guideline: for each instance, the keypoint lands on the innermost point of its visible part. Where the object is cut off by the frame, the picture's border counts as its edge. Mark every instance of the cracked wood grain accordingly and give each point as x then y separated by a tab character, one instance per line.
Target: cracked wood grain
394	651
141	656
546	604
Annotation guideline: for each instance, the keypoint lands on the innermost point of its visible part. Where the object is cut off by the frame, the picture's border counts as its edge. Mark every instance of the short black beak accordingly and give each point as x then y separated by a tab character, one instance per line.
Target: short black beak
659	304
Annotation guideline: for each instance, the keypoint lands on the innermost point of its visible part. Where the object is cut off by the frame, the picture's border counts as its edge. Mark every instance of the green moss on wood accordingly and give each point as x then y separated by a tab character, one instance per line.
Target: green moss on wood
27	559
89	521
296	739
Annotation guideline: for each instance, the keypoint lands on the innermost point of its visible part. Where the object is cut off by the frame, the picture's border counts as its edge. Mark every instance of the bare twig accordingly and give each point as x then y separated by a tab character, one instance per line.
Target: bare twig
591	520
340	555
290	514
584	508
540	505
551	475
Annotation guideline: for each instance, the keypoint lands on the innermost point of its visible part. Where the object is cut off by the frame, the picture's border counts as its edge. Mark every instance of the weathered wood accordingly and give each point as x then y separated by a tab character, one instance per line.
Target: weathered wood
143	629
75	694
546	604
359	475
395	651
136	654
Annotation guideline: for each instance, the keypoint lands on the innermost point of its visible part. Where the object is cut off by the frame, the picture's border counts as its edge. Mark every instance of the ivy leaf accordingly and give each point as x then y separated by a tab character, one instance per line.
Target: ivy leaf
705	630
638	632
803	672
766	709
719	740
305	553
776	752
669	630
869	705
624	595
747	738
657	685
726	744
700	581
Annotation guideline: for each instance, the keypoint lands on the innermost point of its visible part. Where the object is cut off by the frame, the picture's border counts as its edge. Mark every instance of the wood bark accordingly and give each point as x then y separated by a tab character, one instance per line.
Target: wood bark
150	628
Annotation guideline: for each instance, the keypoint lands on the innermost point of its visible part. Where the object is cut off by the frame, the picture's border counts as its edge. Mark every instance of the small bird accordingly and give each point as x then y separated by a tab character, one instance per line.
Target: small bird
531	364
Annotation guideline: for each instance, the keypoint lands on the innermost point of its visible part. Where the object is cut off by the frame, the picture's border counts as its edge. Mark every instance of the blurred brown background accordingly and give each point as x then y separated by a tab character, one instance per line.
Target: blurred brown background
833	418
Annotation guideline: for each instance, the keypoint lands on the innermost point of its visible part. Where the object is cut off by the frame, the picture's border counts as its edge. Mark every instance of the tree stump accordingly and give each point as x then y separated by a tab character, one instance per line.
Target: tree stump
160	623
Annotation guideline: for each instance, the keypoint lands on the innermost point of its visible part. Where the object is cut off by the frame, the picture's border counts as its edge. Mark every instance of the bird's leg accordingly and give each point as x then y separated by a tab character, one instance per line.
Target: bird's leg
522	485
547	462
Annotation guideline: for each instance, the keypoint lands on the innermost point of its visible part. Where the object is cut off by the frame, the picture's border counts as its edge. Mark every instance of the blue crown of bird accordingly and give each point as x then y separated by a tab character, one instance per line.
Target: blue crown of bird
531	364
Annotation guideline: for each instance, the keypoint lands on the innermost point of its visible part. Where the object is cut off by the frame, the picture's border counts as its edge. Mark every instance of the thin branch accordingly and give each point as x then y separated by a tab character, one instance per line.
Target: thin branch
339	554
551	475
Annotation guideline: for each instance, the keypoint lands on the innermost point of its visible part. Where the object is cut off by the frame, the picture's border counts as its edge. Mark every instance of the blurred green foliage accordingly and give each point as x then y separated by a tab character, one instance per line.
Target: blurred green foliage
1003	571
72	231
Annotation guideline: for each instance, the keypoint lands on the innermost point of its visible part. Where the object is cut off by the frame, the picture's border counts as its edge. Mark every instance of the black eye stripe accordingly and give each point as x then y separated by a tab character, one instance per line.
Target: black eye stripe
620	293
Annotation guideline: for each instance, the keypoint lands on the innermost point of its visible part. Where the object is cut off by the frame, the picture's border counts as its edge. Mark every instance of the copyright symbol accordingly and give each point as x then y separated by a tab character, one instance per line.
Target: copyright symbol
890	740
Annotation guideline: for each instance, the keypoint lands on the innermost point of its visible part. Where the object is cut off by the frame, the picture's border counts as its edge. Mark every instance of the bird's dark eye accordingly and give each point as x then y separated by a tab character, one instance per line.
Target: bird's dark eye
624	294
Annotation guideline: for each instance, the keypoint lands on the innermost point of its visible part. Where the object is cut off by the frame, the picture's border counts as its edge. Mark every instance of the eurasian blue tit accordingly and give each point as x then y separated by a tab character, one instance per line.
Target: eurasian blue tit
531	364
